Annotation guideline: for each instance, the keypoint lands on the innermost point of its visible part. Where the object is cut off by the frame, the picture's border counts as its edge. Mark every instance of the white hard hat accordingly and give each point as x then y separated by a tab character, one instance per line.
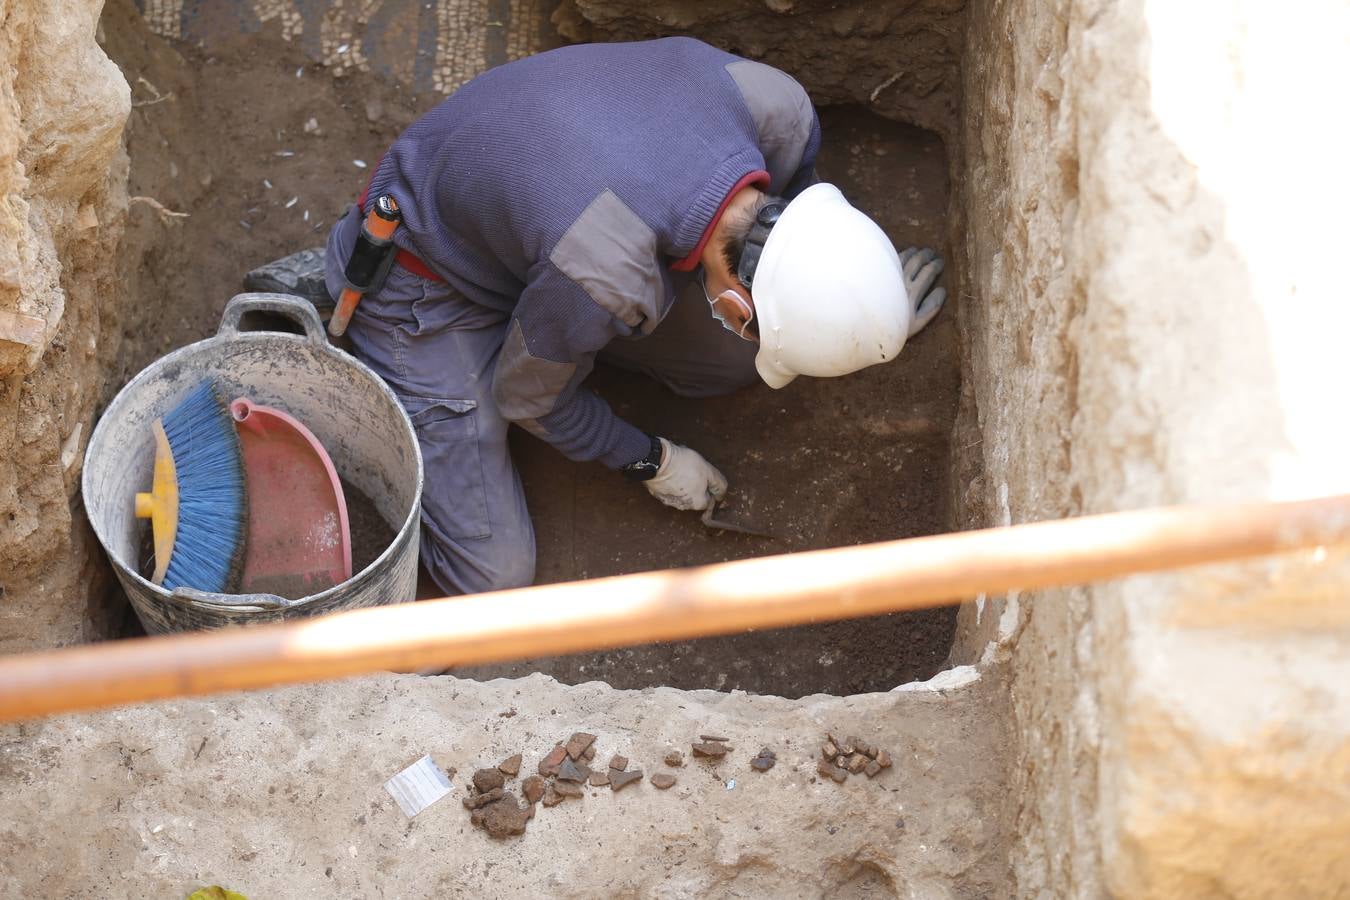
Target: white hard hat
829	291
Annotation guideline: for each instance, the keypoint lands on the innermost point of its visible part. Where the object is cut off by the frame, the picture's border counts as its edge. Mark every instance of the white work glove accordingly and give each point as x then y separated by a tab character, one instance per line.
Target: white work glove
922	268
685	479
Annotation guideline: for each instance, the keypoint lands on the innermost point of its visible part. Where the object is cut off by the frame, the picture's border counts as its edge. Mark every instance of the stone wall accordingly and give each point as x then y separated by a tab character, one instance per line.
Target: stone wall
62	177
1153	306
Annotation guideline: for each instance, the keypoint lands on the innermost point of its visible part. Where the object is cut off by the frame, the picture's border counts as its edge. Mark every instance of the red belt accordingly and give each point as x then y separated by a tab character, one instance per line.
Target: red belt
415	265
404	258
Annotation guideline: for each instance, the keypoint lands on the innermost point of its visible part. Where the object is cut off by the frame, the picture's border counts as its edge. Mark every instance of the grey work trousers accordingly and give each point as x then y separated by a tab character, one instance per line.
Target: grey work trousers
437	350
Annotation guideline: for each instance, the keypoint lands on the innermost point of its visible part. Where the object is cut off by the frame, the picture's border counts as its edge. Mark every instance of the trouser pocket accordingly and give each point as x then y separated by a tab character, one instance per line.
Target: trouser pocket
454	496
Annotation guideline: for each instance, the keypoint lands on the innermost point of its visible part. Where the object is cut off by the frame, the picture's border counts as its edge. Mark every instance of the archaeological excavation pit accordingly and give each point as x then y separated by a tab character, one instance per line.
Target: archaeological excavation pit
1118	335
829	463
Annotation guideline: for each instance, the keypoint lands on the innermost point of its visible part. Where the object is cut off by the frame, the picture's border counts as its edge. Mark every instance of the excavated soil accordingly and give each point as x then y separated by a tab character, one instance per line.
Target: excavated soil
822	463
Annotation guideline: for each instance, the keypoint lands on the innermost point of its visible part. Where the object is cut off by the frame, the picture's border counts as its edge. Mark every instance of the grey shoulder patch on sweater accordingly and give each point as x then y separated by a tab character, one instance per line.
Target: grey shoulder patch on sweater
611	253
524	386
782	112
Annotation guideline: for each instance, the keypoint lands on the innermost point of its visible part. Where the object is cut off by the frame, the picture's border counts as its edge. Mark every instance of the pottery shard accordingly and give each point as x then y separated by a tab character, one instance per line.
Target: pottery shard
830	750
551	795
488	779
883	759
829	770
549	764
873	767
599	779
511	767
619	762
762	763
711	749
589	754
663	781
532	788
577	744
675	759
568	789
620	780
505	818
483	799
573	771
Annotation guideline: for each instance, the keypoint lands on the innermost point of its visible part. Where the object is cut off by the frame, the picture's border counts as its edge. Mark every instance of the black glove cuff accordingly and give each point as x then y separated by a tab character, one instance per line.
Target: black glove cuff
645	469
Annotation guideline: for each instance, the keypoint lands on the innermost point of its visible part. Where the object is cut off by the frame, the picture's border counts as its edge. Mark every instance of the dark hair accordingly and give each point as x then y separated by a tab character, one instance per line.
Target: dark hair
736	228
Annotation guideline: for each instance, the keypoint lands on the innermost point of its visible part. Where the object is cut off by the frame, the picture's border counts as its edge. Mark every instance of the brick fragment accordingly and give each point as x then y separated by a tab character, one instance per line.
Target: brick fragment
873	767
483	799
532	788
549	765
830	750
505	818
829	770
883	759
487	779
578	743
856	763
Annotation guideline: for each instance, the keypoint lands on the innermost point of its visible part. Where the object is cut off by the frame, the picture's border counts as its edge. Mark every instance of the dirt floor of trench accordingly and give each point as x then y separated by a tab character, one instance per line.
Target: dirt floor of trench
258	144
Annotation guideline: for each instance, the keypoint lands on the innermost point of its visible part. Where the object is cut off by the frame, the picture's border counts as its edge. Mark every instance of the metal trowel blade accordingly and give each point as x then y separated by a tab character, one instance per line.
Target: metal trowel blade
710	520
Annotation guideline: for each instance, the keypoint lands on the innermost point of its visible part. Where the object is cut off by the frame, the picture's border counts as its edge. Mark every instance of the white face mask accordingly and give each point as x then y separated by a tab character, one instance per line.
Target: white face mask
723	303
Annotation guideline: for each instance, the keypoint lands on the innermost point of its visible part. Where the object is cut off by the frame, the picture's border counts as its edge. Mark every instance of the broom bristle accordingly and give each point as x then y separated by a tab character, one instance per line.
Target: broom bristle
208	550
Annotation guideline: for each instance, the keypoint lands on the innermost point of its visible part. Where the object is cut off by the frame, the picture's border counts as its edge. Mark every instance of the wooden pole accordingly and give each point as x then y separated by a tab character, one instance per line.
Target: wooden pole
769	592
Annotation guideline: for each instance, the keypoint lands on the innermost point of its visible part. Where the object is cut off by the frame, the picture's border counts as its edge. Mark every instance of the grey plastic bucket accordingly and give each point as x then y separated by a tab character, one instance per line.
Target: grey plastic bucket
351	411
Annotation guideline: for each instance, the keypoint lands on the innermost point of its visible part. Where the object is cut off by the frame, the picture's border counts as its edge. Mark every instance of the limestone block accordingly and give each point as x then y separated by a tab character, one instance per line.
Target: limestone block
1157	308
280	794
63	105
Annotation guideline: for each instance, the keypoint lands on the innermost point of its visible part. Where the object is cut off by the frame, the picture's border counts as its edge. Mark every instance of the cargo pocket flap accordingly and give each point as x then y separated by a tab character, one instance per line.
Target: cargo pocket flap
428	410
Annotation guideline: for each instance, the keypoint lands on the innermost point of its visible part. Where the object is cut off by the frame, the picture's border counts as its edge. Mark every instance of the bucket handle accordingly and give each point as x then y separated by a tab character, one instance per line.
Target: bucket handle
298	310
241	602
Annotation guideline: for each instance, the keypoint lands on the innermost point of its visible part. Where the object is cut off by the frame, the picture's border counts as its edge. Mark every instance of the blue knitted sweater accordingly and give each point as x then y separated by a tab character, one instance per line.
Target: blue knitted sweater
563	187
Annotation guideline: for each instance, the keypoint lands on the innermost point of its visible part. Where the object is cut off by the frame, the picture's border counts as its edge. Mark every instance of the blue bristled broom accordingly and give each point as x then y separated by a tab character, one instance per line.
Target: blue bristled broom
197	507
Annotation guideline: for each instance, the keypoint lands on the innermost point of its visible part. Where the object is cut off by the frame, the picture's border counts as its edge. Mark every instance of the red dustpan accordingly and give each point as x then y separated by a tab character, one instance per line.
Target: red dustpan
299	540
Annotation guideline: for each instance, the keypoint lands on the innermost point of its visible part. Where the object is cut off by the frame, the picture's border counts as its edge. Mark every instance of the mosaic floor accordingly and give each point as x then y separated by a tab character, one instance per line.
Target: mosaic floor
431	45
